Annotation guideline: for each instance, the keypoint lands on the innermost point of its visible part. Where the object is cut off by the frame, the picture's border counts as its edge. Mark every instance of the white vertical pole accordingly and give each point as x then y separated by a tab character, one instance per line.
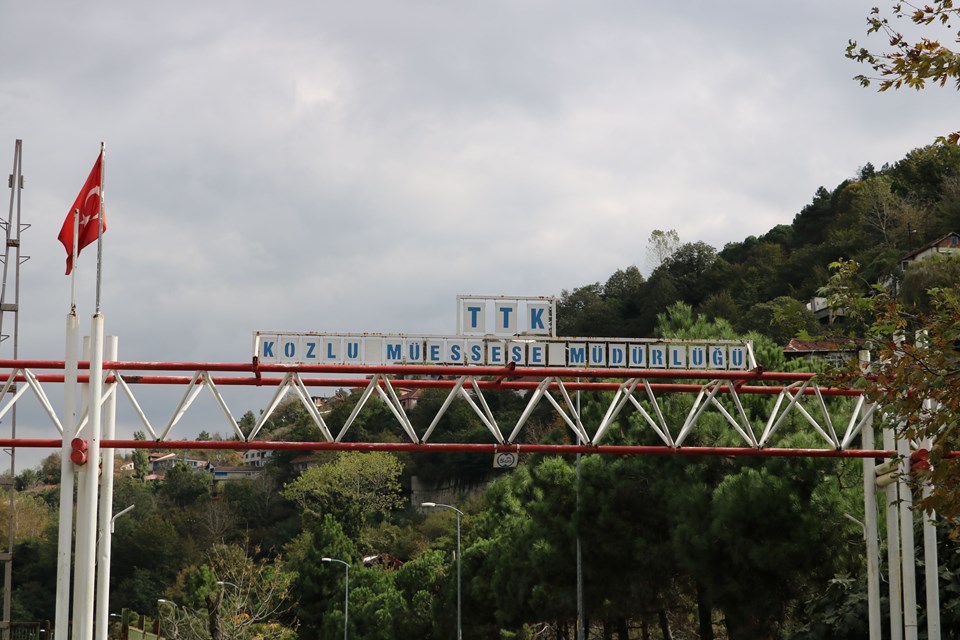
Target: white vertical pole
65	532
930	560
870	527
931	564
106	506
81	509
86	555
908	553
893	548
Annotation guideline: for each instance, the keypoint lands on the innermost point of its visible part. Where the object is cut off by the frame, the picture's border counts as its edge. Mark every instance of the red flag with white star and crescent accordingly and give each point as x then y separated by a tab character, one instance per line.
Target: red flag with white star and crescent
89	204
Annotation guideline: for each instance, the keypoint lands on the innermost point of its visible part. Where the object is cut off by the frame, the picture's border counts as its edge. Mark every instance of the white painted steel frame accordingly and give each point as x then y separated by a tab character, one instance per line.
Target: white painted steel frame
719	396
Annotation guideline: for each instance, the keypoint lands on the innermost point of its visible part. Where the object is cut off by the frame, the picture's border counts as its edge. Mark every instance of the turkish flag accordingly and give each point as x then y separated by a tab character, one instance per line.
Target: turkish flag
89	203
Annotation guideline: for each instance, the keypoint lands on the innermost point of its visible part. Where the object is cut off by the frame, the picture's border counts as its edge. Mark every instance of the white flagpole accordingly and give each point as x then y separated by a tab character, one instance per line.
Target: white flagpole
84	581
105	514
103	162
61	626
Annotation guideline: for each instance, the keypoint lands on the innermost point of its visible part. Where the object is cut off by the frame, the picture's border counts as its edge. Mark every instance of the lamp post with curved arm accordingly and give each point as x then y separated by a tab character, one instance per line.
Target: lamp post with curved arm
459	515
346	593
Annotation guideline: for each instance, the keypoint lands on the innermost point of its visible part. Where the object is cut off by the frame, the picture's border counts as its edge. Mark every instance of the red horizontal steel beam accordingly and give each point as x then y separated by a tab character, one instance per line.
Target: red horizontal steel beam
405	447
426	370
517	385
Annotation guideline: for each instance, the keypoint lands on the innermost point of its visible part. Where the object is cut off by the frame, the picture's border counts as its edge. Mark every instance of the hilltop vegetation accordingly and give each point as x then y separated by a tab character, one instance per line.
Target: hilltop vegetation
759	284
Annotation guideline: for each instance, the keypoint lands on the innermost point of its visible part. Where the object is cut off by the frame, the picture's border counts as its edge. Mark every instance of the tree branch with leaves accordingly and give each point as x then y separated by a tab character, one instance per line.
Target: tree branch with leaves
912	62
915	374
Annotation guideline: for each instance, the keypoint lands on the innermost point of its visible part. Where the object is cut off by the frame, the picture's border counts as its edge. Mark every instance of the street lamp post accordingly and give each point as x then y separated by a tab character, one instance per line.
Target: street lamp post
459	515
346	593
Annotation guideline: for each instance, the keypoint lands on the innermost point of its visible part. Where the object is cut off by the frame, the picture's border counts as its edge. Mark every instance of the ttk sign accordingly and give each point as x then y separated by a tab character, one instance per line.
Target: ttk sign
477	316
497	331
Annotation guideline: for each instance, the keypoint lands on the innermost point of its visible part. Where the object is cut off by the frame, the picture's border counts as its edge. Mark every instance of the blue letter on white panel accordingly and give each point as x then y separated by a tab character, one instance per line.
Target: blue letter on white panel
495	353
638	355
516	354
738	357
538	314
678	357
331	349
434	352
353	349
474	316
394	351
598	355
718	358
414	351
455	352
475	348
267	349
290	349
698	357
538	354
578	354
506	318
658	356
618	355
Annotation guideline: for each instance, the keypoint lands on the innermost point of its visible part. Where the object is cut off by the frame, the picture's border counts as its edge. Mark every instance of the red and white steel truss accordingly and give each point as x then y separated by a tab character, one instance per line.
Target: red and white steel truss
719	392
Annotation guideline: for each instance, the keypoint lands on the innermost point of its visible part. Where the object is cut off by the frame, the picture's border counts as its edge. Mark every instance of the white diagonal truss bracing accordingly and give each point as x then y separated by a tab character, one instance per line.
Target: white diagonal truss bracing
644	392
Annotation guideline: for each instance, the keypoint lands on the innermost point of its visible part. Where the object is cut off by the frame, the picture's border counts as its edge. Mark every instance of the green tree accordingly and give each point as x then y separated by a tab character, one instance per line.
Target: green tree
235	594
660	246
910	61
780	319
185	486
356	487
141	460
316	581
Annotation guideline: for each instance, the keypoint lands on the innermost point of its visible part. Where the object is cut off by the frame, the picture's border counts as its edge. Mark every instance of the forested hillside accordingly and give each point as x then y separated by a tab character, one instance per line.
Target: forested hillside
875	218
710	547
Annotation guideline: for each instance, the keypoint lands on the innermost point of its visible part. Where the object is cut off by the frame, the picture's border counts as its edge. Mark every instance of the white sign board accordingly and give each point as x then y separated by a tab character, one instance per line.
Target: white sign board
499	331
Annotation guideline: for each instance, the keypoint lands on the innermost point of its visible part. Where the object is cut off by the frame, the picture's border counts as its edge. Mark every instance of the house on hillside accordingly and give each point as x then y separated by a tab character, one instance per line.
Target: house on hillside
226	474
836	351
257	458
160	462
943	246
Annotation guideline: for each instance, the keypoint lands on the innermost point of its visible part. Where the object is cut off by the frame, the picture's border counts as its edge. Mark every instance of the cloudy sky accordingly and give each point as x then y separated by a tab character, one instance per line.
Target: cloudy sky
333	166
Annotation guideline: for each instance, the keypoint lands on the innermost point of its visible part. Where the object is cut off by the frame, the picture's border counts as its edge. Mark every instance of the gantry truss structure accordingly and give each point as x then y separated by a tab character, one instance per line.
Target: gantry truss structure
838	424
719	392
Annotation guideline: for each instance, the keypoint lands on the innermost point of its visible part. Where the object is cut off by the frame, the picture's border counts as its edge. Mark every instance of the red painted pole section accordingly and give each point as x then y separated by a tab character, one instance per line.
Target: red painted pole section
409	447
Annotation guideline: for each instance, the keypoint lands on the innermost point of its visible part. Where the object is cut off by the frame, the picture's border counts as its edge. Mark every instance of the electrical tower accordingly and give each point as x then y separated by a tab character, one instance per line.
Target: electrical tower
9	328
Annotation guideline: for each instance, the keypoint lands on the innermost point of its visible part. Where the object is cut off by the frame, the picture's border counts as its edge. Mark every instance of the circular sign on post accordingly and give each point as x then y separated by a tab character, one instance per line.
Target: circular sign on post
505	460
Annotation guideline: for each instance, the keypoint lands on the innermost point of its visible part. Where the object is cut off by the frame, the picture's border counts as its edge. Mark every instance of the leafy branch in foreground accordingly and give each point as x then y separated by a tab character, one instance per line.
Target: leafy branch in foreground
915	377
911	62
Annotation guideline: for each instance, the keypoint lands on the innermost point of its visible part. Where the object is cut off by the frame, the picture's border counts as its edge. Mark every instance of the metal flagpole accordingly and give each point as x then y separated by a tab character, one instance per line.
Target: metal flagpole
73	254
103	162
